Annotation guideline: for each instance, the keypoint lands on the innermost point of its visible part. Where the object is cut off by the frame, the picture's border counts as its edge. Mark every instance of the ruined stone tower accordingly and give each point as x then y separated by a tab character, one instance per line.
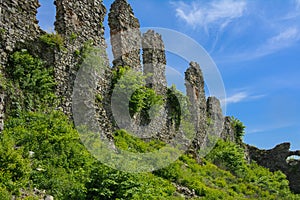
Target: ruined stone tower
79	23
214	116
154	61
194	83
125	35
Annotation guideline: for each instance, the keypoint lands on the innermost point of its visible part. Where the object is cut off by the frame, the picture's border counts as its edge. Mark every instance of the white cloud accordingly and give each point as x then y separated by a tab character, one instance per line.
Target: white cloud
285	39
204	14
289	35
282	40
239	97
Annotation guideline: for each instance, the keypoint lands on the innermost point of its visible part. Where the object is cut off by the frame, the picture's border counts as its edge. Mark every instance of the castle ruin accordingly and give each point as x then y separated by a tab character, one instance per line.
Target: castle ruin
81	21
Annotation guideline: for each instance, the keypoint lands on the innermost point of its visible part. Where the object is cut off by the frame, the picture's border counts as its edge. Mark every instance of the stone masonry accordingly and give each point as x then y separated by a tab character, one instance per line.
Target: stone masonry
79	23
228	131
18	24
125	35
154	61
276	159
214	116
194	82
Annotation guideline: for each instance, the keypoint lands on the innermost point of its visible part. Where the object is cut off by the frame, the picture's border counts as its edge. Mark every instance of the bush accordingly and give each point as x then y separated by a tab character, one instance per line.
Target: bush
127	142
53	40
31	84
126	81
239	130
228	156
60	164
14	165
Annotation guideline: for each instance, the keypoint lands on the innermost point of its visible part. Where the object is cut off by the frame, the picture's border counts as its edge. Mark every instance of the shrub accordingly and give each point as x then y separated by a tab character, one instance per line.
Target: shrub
239	130
126	81
31	84
53	40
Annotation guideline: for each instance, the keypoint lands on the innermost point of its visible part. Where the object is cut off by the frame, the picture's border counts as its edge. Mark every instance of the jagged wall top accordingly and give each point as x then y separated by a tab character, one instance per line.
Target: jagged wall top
125	35
154	61
194	83
18	22
81	19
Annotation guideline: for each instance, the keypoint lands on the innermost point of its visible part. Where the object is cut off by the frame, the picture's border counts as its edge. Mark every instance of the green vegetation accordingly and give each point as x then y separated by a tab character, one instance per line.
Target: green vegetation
178	105
239	130
53	40
40	148
126	81
125	141
30	84
73	36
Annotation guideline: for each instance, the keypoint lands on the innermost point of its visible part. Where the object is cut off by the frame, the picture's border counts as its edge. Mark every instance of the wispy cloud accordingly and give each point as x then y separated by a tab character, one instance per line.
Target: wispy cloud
270	127
282	40
240	97
205	14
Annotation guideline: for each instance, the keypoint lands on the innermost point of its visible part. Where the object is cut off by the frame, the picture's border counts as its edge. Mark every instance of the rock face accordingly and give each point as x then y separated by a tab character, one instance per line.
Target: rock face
154	61
125	35
276	159
194	83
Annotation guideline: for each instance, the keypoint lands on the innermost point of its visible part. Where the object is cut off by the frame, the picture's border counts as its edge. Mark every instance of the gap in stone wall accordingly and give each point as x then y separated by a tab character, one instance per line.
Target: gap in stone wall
46	15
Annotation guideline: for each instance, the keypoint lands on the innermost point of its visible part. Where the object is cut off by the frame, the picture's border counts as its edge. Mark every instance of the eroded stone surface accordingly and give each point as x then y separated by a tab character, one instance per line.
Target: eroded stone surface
194	83
276	159
125	35
154	61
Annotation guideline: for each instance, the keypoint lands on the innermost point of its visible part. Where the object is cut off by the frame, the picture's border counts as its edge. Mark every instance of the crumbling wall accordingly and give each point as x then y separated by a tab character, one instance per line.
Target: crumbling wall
125	35
80	23
194	83
214	117
18	24
228	131
154	61
276	159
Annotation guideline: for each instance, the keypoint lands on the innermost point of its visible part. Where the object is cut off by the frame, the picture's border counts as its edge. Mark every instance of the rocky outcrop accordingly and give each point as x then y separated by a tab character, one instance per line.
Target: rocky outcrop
154	61
277	159
125	35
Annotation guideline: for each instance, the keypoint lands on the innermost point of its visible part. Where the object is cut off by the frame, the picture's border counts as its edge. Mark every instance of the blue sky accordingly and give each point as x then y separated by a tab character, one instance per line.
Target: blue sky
256	47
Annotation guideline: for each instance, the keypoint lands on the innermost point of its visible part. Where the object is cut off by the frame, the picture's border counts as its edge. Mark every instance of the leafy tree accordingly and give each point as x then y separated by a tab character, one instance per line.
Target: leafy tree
239	130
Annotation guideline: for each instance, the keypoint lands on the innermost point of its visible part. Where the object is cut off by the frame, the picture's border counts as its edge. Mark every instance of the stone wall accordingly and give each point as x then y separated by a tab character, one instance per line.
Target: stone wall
228	131
125	35
18	25
276	159
80	23
194	83
154	61
214	117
